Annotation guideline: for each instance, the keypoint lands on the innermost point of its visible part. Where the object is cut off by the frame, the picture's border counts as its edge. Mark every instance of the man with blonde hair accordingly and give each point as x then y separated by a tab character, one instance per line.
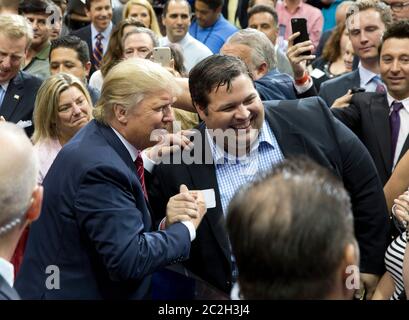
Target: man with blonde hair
18	89
20	198
95	229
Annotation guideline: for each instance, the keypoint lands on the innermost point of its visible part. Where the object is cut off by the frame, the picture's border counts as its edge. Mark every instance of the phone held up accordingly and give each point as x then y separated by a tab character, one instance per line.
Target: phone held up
162	55
300	25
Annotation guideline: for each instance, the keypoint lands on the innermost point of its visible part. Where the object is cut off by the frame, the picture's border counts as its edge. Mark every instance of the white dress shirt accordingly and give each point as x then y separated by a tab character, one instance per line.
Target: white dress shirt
193	50
7	271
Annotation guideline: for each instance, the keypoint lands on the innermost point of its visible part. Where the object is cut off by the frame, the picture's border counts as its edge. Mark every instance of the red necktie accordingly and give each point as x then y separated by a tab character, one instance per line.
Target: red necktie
140	172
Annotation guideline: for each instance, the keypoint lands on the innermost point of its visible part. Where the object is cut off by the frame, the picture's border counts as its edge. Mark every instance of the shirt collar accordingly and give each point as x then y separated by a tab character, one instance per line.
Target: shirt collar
265	136
165	40
5	85
405	102
106	33
365	75
131	149
7	271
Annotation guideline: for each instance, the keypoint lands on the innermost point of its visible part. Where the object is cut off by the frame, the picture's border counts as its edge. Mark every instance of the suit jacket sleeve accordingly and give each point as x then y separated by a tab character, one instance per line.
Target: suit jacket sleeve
368	201
349	116
112	214
311	92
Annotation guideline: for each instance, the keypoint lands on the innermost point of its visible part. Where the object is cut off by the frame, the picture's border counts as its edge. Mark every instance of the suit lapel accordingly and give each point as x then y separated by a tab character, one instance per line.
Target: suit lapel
119	147
204	177
356	79
12	97
379	111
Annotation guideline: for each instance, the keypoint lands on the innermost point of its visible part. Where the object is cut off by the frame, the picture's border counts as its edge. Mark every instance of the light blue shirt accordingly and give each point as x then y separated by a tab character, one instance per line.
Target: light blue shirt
214	36
193	50
3	89
106	33
232	173
366	77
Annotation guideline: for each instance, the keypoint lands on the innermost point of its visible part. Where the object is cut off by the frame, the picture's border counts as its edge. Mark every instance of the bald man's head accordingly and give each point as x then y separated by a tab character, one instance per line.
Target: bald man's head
18	172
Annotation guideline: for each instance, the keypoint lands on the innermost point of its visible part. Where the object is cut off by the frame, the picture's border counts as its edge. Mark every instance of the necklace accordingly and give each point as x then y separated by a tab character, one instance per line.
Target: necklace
208	33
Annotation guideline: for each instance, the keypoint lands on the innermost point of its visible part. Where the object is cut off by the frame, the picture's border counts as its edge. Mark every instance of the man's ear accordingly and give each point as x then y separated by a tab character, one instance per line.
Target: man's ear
120	114
219	9
87	68
33	212
88	13
261	71
200	111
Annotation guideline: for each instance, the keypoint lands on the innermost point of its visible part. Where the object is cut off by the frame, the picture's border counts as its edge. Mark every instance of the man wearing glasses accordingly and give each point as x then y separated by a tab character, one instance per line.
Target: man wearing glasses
400	9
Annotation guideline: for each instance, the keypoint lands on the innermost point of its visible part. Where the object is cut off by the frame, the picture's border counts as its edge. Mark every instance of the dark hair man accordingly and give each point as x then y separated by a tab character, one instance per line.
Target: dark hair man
295	227
241	138
70	54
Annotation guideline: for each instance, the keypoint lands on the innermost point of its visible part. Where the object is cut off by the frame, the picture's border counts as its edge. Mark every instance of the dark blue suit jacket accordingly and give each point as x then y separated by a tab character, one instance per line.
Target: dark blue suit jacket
275	86
18	102
95	226
279	86
7	292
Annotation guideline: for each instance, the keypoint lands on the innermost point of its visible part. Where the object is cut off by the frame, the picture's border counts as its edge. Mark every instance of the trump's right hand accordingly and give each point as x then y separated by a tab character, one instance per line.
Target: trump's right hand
185	206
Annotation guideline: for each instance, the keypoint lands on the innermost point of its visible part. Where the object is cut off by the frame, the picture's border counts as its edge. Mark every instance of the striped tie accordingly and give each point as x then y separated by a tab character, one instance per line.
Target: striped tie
140	172
98	52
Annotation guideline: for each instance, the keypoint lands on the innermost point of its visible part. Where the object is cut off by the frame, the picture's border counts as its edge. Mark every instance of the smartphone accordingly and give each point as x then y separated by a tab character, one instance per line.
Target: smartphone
300	25
162	55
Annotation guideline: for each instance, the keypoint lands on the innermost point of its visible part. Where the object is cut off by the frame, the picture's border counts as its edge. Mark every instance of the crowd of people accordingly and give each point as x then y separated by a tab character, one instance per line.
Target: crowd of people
146	146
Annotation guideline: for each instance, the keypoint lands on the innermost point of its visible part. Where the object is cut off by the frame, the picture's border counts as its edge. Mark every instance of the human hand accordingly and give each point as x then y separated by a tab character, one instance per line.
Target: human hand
185	206
343	101
401	208
295	55
169	143
368	283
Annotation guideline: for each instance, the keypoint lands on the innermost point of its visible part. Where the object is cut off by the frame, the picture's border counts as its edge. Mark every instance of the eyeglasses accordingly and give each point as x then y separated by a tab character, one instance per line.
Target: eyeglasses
397	6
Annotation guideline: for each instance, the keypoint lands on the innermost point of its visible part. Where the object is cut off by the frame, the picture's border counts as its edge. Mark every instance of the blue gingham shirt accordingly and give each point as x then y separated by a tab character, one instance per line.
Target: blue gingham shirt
232	172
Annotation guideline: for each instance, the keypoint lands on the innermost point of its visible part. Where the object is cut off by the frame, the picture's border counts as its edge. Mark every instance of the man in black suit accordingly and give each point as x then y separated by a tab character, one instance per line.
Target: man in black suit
97	34
18	89
369	114
237	129
373	116
20	198
366	22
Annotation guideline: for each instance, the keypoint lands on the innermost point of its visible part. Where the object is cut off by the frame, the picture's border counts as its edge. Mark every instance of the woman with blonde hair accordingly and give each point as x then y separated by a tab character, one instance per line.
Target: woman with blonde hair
62	107
143	11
